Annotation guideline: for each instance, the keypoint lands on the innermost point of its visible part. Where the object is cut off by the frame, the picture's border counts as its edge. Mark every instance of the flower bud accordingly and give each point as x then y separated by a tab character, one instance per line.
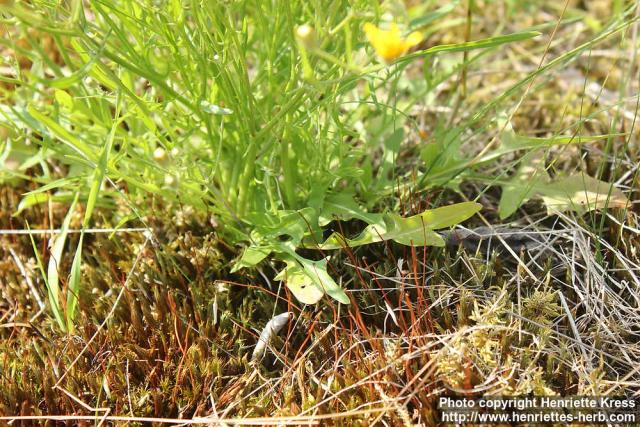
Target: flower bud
171	181
306	36
159	154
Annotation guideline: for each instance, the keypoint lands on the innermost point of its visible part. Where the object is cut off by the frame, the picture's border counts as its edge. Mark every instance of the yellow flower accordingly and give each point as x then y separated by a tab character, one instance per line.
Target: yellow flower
390	45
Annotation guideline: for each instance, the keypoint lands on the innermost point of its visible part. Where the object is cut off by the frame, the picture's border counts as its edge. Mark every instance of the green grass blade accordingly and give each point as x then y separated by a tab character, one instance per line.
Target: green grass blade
64	135
55	261
73	290
472	45
52	293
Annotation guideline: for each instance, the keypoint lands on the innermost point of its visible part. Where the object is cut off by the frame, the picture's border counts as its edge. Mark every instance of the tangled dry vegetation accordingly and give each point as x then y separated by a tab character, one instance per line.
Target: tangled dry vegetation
550	305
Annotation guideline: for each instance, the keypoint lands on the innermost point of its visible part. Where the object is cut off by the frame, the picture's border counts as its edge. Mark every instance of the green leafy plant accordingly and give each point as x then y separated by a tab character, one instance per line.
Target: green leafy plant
580	193
229	107
309	280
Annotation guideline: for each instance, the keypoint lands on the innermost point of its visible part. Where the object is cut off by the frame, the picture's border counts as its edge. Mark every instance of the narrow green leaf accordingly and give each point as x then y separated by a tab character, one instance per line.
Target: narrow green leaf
64	135
73	288
510	142
52	185
416	230
472	45
52	294
98	175
55	260
31	199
